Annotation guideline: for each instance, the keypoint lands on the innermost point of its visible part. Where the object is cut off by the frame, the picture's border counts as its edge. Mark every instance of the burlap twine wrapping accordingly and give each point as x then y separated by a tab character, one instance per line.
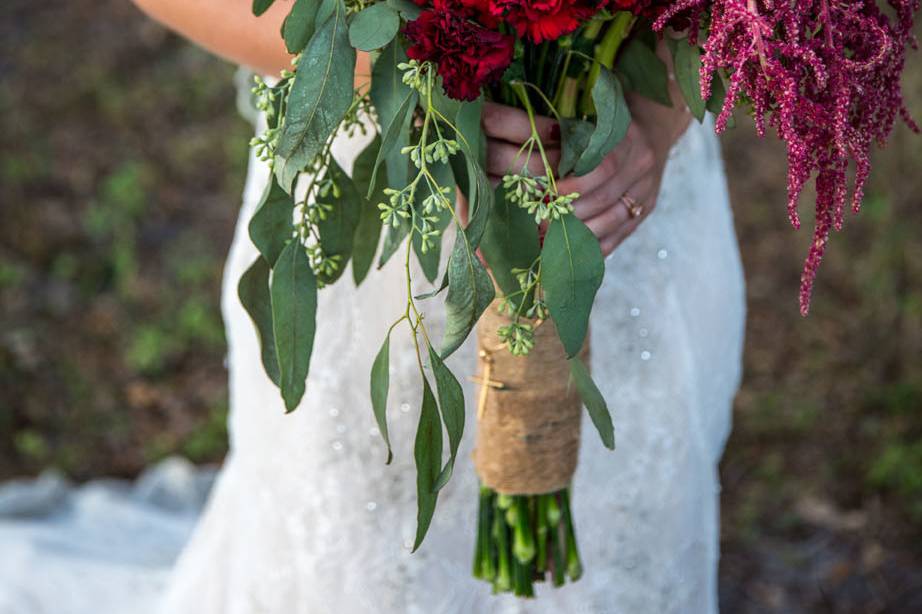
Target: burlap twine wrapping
529	421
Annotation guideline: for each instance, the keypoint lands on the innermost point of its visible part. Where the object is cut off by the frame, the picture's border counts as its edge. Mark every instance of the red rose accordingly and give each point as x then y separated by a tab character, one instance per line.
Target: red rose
543	20
467	55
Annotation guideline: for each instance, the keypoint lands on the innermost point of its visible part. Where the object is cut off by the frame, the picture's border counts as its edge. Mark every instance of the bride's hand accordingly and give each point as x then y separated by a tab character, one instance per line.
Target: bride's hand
627	180
621	192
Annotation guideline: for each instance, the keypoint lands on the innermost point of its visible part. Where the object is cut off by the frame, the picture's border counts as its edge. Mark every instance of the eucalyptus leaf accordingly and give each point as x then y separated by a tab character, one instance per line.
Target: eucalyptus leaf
479	192
571	273
427	452
435	291
261	6
687	60
388	91
451	405
374	27
594	402
611	124
368	231
380	383
468	169
480	202
510	241
253	291
271	226
448	107
470	292
470	130
394	131
293	293
393	239
643	72
320	96
337	228
298	27
574	137
407	9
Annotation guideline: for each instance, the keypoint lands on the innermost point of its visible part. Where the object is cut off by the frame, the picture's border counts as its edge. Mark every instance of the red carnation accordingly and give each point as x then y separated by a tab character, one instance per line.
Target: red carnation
544	20
467	54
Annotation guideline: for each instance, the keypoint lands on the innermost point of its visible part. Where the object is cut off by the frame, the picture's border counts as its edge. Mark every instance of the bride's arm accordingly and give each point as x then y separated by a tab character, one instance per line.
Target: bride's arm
229	29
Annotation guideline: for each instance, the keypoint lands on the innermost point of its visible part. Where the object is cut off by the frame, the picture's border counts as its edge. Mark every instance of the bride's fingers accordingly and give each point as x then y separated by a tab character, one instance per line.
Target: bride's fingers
512	125
503	158
615	223
596	202
604	225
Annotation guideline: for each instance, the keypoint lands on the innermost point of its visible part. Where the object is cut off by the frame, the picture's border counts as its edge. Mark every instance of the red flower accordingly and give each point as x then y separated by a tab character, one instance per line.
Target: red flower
467	55
637	7
545	20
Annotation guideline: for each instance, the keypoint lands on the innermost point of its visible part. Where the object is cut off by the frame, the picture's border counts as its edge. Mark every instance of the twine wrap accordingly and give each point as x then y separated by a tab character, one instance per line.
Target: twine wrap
529	413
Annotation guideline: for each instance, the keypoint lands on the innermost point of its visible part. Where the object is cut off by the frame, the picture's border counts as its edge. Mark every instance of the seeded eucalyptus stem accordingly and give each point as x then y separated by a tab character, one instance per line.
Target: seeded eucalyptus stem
523	539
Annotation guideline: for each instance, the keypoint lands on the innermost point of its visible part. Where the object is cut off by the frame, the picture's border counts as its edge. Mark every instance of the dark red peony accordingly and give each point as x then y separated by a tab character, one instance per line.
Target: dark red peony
545	20
468	55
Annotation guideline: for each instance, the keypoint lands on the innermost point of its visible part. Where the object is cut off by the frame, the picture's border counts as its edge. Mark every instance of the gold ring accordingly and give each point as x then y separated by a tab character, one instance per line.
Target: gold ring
634	209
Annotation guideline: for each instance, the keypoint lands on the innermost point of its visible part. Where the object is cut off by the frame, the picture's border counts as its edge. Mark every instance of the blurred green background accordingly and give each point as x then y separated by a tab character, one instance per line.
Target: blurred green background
122	159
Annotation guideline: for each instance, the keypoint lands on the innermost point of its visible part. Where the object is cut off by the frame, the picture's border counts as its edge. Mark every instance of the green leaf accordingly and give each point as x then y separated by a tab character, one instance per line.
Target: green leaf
574	137
368	232
294	320
388	92
611	124
427	451
271	225
687	60
468	124
299	25
594	402
393	132
393	239
320	96
469	175
261	6
374	27
470	291
571	273
510	241
380	383
430	261
451	404
435	291
479	192
448	107
337	229
643	72
407	9
480	202
253	291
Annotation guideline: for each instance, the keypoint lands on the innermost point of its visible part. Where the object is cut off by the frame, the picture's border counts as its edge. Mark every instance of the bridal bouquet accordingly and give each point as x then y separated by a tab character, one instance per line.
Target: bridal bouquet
825	74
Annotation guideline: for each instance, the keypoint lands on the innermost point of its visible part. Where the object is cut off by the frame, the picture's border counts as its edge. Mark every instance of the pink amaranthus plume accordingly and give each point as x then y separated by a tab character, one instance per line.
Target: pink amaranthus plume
825	74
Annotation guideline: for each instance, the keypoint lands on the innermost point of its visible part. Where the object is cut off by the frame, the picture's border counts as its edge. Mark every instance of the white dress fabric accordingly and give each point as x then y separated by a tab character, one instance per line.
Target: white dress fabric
306	518
105	547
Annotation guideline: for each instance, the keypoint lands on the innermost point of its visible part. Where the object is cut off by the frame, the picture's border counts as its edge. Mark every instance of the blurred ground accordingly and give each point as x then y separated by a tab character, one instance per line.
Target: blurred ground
121	163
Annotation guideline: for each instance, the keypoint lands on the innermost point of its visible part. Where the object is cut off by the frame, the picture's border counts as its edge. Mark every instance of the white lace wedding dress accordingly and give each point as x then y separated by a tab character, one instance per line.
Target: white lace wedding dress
307	519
